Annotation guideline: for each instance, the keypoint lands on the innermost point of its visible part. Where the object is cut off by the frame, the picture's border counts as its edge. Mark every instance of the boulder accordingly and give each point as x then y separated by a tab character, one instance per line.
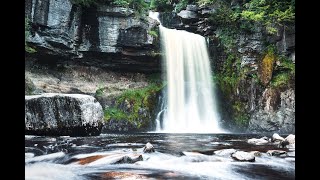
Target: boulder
148	148
276	137
63	115
291	139
243	156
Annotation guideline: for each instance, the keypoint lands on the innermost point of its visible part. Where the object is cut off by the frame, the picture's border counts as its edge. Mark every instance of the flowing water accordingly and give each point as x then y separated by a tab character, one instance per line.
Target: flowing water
191	106
176	156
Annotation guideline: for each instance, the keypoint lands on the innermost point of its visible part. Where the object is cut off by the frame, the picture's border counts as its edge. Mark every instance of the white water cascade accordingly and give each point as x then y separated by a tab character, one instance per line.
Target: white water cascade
191	106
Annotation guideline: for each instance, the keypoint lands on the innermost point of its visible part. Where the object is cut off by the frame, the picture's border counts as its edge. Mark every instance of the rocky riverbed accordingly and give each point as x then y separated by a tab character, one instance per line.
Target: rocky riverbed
161	156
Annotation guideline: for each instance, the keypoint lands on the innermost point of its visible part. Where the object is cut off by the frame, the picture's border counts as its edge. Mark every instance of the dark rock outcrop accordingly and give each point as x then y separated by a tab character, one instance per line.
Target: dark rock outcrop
62	114
272	118
104	36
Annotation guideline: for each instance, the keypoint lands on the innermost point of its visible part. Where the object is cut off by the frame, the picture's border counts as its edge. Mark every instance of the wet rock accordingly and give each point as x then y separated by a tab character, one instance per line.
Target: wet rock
63	115
185	14
276	113
283	144
130	159
291	139
255	153
243	156
193	8
257	141
148	148
224	152
276	137
276	152
109	159
90	159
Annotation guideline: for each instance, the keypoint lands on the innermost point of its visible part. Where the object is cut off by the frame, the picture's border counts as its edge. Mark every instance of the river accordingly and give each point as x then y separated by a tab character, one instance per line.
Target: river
176	156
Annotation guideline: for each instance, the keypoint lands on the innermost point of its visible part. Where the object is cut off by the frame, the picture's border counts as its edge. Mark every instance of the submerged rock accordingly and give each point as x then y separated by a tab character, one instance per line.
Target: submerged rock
148	148
256	153
63	115
243	156
109	159
276	152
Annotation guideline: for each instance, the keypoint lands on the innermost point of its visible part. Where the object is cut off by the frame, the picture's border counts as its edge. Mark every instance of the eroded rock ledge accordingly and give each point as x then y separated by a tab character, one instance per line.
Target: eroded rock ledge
63	115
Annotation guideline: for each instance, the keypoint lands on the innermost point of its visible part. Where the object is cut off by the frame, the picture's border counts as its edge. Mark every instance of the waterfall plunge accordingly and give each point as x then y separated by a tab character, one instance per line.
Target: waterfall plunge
191	106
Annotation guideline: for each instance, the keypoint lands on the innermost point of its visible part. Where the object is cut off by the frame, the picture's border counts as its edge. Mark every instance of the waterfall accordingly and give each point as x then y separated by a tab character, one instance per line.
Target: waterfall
191	106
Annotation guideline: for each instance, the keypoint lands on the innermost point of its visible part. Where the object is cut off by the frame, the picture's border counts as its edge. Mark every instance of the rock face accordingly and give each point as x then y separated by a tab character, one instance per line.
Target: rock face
272	118
104	36
62	114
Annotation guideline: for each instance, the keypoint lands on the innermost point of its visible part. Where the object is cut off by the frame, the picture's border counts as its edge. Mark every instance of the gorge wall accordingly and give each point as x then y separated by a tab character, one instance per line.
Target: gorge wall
113	54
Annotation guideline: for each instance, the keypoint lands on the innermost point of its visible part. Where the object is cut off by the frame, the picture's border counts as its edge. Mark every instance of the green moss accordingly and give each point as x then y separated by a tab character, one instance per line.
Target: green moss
129	103
153	33
114	113
241	118
280	80
182	4
266	69
230	76
100	91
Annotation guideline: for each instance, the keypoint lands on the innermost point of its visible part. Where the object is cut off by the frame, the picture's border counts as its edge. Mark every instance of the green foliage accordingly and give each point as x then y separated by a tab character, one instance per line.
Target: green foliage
153	33
280	79
161	5
205	2
100	90
121	3
269	12
227	38
241	118
181	5
133	100
250	15
27	48
230	76
114	113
